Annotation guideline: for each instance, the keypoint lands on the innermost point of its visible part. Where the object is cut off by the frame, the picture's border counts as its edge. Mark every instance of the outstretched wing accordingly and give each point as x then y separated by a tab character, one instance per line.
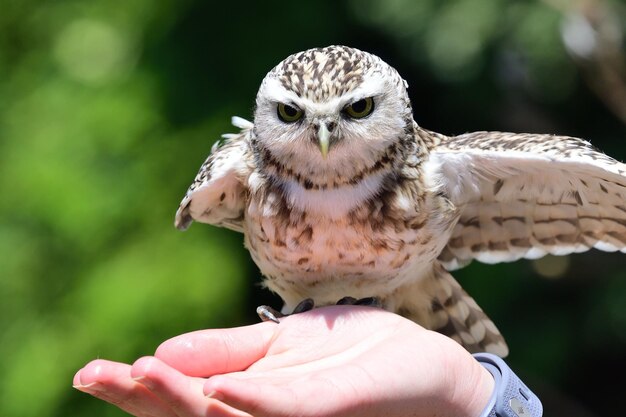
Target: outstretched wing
526	195
217	195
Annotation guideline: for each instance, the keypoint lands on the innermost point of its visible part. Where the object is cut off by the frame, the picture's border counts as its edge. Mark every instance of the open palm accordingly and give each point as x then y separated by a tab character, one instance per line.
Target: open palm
334	361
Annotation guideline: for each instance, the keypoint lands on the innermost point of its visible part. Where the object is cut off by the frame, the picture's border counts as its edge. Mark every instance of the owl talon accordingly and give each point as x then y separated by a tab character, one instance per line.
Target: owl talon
267	313
367	301
305	305
370	302
347	301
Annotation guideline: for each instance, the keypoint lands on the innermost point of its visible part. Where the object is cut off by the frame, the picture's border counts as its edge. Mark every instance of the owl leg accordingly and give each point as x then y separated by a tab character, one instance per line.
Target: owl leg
267	313
368	301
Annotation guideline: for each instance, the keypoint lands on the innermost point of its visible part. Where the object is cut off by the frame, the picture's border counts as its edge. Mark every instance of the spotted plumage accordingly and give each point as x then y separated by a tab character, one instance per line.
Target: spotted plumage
338	192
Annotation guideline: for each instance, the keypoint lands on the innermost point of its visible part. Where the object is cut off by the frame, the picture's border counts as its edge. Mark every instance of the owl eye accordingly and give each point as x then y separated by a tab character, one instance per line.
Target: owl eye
360	109
288	114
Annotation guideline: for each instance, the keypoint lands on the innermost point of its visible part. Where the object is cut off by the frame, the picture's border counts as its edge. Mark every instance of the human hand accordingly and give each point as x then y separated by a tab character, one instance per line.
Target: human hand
332	361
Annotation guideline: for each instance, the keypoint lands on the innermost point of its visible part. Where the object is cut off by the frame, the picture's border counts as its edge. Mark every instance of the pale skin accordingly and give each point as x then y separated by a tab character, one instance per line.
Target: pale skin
333	361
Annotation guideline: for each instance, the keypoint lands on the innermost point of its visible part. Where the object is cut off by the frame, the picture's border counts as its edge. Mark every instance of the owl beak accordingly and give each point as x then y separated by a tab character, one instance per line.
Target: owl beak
323	138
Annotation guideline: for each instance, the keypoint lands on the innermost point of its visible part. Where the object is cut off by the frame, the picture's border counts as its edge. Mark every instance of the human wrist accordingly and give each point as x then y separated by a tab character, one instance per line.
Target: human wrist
481	393
470	385
461	387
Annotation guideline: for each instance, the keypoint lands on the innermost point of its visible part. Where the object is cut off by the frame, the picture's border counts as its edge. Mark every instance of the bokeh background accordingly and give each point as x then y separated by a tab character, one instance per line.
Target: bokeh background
108	107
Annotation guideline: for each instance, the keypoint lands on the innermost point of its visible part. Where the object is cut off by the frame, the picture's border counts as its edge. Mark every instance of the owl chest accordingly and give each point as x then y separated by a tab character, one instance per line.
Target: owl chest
308	254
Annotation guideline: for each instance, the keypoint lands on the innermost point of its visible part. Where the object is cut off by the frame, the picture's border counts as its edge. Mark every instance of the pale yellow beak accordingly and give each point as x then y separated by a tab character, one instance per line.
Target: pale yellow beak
323	137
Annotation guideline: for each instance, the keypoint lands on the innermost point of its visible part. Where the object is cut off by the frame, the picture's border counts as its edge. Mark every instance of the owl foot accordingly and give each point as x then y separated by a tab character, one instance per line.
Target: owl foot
267	313
368	301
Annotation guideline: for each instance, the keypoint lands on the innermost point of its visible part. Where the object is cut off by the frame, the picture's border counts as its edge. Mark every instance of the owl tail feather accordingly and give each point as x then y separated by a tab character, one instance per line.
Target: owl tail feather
452	312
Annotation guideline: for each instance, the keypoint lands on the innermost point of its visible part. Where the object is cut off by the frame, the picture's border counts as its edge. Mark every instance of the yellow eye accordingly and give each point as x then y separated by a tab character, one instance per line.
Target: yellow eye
360	109
288	114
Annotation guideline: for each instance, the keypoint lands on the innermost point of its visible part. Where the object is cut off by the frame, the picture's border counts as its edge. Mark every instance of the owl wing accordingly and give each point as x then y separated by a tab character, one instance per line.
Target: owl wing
526	195
218	194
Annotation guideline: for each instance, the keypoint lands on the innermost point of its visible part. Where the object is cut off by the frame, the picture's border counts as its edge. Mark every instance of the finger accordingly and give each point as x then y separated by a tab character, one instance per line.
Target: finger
209	352
182	393
130	409
111	382
257	399
274	396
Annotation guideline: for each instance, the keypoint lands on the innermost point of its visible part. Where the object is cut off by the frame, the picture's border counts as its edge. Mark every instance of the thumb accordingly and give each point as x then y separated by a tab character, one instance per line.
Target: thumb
216	351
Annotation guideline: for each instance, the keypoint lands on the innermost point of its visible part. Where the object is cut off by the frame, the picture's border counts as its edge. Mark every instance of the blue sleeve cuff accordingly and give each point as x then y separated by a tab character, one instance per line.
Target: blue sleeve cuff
510	397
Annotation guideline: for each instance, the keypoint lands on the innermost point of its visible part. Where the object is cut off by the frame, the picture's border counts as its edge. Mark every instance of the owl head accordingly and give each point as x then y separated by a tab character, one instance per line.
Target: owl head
326	115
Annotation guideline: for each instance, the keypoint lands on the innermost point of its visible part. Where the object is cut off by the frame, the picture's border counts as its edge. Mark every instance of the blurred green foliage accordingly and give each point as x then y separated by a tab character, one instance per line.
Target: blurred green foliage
107	108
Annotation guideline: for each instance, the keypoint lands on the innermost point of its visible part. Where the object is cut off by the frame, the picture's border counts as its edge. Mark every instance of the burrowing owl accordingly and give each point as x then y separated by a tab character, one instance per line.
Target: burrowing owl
338	192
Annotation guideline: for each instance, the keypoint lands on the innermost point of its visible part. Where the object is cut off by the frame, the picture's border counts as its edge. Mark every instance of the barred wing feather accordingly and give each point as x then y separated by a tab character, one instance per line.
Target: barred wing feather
525	196
218	194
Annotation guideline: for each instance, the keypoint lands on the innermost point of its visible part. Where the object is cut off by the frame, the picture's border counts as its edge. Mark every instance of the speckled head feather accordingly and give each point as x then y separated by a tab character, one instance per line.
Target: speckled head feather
323	73
320	73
